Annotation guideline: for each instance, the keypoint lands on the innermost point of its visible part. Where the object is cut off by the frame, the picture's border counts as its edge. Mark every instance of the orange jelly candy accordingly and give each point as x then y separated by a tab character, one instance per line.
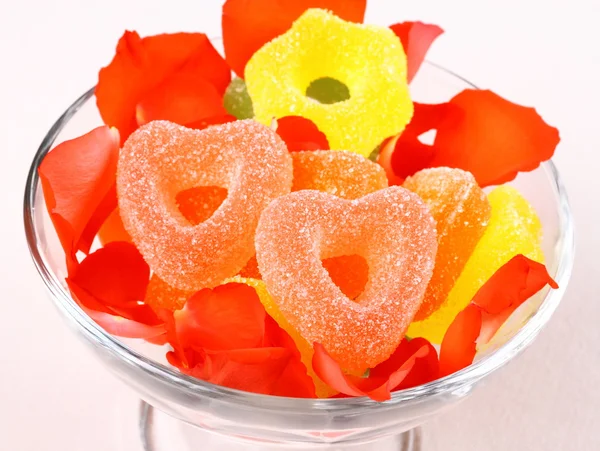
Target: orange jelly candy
344	174
391	229
161	295
461	211
347	175
161	159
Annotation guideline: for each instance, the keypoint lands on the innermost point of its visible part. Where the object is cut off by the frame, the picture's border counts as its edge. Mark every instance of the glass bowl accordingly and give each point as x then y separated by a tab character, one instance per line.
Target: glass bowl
180	412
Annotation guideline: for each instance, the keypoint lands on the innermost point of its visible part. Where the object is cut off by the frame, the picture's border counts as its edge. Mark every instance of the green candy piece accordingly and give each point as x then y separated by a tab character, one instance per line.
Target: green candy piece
237	101
328	90
373	156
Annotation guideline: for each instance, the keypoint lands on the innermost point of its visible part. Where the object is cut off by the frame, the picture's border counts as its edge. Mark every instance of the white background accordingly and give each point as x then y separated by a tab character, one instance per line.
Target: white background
54	396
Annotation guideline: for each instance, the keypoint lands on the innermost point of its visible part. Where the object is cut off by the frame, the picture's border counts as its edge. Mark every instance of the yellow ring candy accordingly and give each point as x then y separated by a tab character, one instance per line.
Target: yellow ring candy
514	228
368	59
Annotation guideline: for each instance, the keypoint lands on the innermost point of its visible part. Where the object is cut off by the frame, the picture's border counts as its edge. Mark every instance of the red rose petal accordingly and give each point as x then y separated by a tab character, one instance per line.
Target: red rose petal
300	134
114	324
86	300
123	327
78	181
272	368
520	278
116	275
183	98
477	131
493	138
174	360
416	38
159	340
140	313
112	281
171	337
142	65
185	361
405	154
256	370
224	318
459	347
378	387
426	368
331	373
384	159
509	287
409	155
249	24
383	392
107	205
276	337
294	381
113	229
180	357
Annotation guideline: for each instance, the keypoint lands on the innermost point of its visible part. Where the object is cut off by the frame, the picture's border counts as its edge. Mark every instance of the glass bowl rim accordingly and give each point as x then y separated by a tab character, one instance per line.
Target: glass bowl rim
472	373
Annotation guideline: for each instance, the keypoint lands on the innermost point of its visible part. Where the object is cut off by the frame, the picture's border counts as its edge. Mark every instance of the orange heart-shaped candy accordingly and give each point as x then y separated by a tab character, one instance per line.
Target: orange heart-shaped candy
391	229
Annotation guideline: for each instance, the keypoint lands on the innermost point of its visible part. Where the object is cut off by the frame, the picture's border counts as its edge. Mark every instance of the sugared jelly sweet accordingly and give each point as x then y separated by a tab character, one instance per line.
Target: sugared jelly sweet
161	295
394	232
514	228
368	59
162	159
461	212
343	174
236	100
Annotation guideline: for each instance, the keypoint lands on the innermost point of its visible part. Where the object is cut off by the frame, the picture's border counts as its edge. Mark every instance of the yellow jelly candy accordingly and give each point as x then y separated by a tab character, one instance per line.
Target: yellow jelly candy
514	228
305	348
368	59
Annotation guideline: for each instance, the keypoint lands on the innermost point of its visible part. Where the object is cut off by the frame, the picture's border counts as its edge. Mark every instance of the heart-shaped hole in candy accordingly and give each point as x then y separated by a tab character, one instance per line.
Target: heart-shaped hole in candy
199	203
349	272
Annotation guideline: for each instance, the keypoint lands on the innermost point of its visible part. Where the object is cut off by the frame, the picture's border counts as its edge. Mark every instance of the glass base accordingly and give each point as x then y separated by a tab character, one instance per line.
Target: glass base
161	432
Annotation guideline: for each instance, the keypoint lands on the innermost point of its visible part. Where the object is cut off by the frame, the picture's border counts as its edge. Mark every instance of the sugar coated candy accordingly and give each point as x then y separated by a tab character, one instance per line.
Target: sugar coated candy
391	229
514	228
160	295
368	59
343	174
162	159
461	212
346	175
236	100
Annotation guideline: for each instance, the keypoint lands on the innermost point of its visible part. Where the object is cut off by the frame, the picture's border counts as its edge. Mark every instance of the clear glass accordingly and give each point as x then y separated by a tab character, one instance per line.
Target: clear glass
249	421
